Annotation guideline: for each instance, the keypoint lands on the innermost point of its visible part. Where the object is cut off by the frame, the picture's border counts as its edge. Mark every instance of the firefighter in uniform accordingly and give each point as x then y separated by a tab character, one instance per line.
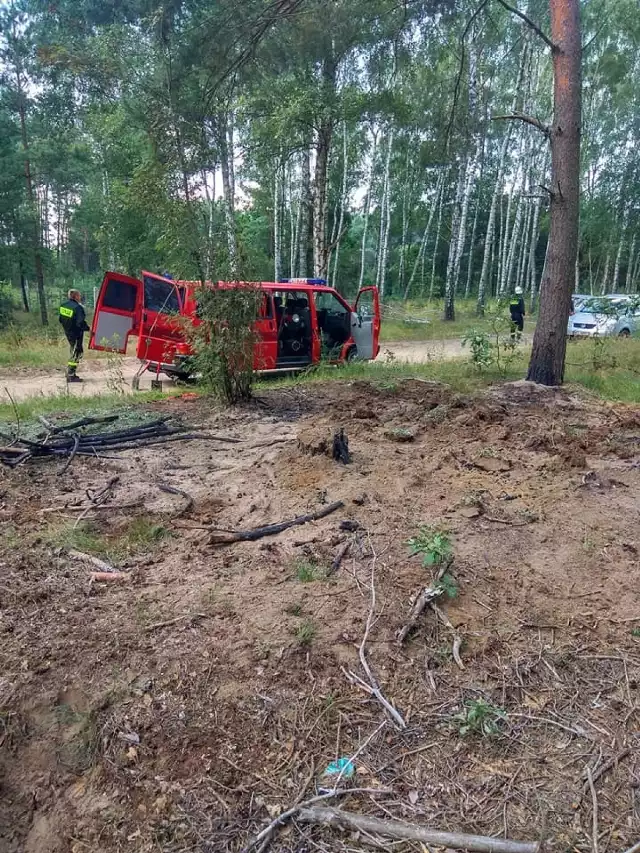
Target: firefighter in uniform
73	321
516	309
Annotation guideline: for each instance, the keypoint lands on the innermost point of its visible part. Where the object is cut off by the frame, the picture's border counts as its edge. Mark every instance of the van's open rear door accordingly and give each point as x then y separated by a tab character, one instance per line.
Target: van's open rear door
366	326
117	313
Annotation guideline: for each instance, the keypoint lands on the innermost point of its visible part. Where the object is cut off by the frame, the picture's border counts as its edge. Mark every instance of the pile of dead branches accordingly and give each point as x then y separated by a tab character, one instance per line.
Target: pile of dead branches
72	439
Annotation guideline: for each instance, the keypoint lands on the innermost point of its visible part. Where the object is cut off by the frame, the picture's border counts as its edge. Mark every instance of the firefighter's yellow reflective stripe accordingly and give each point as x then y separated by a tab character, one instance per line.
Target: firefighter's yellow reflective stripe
66	312
72	364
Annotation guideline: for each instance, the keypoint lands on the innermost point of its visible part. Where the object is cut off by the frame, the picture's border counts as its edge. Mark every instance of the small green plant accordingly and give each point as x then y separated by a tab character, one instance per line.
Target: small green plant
448	586
635	632
294	609
306	632
434	545
479	717
308	571
480	349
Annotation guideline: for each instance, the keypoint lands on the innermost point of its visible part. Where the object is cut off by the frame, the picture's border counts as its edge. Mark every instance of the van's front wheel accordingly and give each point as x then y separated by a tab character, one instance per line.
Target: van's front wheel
352	355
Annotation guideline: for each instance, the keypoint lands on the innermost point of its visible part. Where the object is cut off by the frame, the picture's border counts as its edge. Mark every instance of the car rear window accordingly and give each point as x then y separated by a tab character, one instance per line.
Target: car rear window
120	295
160	296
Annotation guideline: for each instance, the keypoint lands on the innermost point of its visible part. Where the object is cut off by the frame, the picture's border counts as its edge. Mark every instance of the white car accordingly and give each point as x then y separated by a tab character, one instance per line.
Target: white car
611	316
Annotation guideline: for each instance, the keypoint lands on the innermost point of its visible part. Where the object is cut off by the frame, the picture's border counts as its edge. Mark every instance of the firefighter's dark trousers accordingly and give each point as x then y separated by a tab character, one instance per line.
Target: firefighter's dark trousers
517	325
76	351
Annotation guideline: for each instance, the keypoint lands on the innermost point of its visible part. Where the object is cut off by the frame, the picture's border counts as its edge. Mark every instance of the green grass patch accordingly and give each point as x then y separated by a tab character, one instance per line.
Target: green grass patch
405	321
70	406
620	381
140	535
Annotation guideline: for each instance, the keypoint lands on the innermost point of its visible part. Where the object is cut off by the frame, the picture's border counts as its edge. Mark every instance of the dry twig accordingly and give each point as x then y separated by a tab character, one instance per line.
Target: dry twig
594	800
371	686
407	831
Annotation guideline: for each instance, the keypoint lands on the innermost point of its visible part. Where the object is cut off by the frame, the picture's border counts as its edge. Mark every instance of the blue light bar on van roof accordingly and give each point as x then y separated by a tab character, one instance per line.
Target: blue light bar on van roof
302	281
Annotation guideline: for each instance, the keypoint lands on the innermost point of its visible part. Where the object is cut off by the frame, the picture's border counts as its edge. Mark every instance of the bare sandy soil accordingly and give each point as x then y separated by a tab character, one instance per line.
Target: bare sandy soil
187	706
99	376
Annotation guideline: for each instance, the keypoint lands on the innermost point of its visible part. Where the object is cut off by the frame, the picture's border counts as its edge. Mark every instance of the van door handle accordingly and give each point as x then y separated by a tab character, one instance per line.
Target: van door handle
145	317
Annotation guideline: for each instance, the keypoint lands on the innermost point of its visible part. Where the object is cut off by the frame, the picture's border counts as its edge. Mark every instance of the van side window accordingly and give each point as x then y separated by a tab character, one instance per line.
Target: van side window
120	295
160	296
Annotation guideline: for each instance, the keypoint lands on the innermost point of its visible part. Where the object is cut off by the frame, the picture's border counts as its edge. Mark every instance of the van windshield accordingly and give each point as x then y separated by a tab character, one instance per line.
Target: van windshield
160	296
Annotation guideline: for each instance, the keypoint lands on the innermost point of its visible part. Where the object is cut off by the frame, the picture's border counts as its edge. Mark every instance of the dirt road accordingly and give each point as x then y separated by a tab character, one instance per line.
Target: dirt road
100	377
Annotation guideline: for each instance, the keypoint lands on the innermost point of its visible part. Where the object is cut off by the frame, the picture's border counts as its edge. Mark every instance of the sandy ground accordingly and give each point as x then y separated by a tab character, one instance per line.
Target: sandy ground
100	378
186	704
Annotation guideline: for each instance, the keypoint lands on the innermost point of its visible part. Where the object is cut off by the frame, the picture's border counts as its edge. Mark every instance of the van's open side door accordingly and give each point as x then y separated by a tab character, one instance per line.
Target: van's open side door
161	327
365	327
118	312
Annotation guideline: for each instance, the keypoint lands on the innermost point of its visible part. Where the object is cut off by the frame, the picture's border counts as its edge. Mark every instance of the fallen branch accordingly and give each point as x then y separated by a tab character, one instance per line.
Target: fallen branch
504	521
426	597
189	617
100	565
221	537
339	557
411	832
265	834
172	490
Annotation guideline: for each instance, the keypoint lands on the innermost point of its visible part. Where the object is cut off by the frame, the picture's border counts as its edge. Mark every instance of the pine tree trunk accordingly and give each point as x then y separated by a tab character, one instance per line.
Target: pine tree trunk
550	338
305	214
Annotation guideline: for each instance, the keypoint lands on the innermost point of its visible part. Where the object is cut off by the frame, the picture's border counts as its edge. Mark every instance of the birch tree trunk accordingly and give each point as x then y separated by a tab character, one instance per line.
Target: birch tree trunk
320	248
367	208
605	277
423	243
449	286
277	222
437	240
467	288
623	230
533	278
491	224
632	254
403	241
382	268
343	200
305	214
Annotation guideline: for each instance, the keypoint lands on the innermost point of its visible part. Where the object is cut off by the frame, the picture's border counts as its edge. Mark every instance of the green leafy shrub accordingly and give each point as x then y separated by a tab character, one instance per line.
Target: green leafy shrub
224	340
6	305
